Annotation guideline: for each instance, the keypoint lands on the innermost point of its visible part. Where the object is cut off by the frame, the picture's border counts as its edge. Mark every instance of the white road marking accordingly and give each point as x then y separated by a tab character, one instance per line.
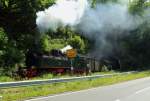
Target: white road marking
142	90
118	100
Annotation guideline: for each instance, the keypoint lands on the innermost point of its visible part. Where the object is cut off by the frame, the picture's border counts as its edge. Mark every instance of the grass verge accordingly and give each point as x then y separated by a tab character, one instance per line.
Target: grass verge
49	76
18	94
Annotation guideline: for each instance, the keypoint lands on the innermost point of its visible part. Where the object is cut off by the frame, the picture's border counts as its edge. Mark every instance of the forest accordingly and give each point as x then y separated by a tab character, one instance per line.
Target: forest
129	46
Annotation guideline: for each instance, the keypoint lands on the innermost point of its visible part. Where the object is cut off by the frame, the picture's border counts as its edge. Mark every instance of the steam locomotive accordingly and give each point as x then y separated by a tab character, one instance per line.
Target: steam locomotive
57	61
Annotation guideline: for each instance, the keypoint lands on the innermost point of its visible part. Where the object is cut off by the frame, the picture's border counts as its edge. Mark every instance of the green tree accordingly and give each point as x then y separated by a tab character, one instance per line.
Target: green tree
3	45
137	7
44	43
77	43
9	54
18	17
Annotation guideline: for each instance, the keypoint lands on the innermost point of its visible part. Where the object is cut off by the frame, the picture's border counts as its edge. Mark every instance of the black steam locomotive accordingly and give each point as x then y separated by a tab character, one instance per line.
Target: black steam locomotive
56	62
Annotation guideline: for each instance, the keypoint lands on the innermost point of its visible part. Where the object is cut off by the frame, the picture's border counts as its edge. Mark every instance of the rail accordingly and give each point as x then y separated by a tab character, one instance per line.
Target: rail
50	81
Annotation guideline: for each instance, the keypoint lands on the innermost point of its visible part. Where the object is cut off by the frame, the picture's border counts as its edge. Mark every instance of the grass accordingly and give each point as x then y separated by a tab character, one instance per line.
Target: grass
6	79
48	76
18	94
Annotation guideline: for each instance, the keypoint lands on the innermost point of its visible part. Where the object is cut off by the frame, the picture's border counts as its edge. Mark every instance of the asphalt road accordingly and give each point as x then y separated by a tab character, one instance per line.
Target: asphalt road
136	90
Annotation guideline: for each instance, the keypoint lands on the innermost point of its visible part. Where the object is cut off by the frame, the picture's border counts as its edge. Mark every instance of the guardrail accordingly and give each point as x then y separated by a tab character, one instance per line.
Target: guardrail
50	81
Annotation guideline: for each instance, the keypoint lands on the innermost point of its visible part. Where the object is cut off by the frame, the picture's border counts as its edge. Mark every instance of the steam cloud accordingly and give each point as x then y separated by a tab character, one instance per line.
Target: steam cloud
62	13
95	23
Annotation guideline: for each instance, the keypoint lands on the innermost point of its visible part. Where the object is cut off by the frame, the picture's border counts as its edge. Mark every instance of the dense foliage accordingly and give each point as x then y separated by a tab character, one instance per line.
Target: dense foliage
18	34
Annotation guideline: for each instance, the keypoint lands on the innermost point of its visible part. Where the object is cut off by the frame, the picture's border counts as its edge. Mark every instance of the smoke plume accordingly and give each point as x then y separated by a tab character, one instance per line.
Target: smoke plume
99	23
103	24
62	13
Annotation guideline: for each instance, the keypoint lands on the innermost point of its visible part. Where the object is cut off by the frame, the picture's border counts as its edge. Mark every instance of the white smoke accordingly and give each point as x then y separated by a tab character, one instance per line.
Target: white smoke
65	49
62	13
79	15
107	17
94	23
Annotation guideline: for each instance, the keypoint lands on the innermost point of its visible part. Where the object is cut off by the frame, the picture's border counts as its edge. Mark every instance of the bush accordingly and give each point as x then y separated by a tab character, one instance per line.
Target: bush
9	53
77	43
44	43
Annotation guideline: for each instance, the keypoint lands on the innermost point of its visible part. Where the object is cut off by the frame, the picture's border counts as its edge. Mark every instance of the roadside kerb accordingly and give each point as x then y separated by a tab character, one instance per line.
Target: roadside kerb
50	81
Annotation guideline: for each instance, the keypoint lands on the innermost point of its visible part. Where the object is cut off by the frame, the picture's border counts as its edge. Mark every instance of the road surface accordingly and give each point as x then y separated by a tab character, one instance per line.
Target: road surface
136	90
